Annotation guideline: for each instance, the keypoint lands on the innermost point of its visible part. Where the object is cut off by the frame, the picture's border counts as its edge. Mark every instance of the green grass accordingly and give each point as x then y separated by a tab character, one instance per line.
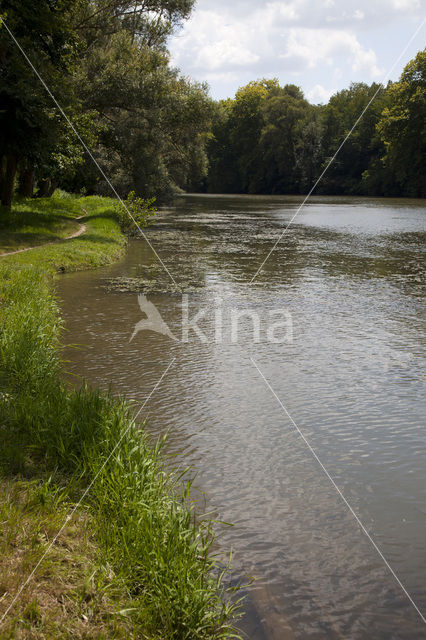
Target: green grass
36	221
101	244
158	551
72	595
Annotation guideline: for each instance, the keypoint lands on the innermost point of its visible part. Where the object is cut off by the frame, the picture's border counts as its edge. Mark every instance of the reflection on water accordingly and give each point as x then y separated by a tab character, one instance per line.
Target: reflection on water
350	272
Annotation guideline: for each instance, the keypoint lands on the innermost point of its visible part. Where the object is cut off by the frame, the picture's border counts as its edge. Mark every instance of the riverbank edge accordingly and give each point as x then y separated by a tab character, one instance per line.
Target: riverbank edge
135	528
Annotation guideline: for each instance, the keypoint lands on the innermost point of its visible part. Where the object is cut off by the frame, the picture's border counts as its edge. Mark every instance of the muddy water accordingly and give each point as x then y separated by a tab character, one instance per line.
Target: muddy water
349	275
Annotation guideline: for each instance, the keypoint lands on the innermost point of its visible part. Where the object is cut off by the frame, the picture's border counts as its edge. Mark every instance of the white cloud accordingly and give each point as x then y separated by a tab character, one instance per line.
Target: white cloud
309	48
224	53
211	41
319	94
406	5
281	11
359	15
365	62
212	77
230	42
215	42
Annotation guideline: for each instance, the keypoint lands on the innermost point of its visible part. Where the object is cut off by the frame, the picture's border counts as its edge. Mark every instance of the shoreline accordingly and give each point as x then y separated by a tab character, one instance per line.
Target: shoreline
150	554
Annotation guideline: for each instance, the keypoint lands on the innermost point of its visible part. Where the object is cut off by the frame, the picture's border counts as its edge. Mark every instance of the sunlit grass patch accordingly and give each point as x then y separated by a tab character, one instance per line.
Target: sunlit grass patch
47	219
34	221
70	595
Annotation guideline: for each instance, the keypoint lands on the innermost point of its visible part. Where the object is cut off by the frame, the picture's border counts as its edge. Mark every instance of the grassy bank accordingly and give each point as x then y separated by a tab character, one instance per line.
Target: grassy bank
37	221
134	542
71	595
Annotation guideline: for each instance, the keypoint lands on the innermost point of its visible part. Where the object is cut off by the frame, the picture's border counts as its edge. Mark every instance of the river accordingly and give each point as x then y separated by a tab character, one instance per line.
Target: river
346	363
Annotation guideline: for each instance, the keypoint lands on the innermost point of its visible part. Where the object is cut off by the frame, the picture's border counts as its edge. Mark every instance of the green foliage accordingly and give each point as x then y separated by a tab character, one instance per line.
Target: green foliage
31	129
284	112
255	139
146	125
135	212
402	128
155	122
363	147
269	139
308	150
155	132
222	175
150	22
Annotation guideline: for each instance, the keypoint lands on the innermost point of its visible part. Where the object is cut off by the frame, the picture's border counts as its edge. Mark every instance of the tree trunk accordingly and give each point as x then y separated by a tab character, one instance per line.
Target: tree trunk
43	188
2	161
46	187
52	186
3	53
9	181
26	183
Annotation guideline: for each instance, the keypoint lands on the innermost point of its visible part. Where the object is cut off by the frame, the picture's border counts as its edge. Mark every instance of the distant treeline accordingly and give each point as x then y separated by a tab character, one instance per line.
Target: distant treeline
154	131
270	140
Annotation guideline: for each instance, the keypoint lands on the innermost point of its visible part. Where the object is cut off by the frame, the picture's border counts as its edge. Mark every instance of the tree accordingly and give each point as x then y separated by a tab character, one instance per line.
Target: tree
147	124
269	139
149	22
223	176
255	136
284	110
247	120
363	147
402	128
234	148
28	129
309	150
154	121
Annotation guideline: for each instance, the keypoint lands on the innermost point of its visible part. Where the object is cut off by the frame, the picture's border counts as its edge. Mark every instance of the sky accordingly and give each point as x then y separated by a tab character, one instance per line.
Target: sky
320	45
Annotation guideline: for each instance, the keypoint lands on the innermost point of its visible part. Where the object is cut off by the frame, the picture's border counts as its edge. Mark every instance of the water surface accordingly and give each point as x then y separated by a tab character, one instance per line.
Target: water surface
350	271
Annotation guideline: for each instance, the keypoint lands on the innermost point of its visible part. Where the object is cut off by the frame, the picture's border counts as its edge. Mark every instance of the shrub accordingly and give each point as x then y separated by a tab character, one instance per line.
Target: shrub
142	213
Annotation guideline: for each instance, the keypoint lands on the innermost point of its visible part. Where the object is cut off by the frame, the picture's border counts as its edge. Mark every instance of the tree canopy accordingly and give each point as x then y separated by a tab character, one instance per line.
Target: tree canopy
402	128
269	139
154	131
107	64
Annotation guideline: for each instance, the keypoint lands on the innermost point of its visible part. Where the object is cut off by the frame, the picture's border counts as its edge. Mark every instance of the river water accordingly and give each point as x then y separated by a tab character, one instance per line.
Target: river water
347	364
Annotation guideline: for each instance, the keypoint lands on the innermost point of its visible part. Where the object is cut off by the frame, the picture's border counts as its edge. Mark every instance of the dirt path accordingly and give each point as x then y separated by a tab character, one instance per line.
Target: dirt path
76	234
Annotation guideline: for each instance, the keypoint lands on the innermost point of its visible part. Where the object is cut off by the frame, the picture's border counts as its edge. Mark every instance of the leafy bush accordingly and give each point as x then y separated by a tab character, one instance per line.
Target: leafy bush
60	194
142	213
